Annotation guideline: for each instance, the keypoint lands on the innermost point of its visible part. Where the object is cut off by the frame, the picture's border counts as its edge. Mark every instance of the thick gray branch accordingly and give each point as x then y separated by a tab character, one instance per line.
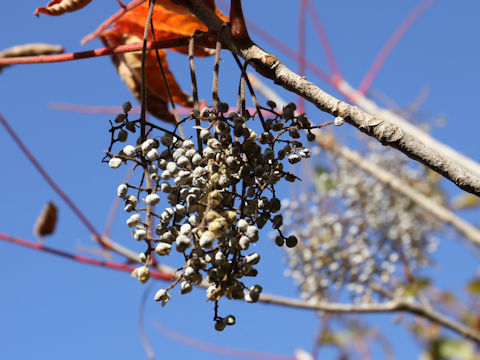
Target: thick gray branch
382	129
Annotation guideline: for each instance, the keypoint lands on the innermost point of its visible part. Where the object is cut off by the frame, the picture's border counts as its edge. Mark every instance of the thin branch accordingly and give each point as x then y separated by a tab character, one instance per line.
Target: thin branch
389	306
81	259
391	43
381	129
166	273
111	20
438	210
183	41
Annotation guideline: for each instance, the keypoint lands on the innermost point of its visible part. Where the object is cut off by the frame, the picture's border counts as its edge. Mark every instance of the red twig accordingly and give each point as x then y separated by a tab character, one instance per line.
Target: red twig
52	183
301	48
217	349
322	36
391	43
183	41
82	259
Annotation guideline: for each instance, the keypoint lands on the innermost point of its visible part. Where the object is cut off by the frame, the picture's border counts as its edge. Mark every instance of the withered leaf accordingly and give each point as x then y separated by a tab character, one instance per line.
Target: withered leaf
59	7
46	222
33	49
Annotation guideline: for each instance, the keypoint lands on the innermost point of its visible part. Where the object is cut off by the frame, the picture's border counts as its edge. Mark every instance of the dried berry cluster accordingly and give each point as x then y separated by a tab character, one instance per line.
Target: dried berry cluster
356	233
220	191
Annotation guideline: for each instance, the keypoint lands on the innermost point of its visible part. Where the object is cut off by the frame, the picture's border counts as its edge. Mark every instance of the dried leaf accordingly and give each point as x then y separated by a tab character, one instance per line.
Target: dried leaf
46	222
33	49
170	22
129	68
59	7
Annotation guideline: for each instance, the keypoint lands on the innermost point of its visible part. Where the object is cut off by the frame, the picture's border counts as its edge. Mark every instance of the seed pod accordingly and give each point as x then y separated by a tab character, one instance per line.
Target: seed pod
167	139
122	190
183	161
220	325
122	136
147	145
165	175
127	106
252	259
142	273
294	158
163	296
139	234
275	205
129	150
120	118
244	242
205	134
134	220
291	241
311	136
208	152
182	243
206	240
115	163
152	199
163	249
152	155
277	221
271	104
185	287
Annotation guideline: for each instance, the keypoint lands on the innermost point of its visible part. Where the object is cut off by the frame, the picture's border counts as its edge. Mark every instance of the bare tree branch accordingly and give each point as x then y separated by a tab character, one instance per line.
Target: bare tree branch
384	130
389	306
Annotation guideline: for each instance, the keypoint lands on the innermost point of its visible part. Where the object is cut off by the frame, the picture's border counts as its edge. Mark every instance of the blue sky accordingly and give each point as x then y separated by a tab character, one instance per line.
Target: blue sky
54	308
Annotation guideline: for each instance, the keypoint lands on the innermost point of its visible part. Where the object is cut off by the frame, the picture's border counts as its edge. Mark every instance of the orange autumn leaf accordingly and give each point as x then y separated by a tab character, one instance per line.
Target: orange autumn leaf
170	22
59	7
129	68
